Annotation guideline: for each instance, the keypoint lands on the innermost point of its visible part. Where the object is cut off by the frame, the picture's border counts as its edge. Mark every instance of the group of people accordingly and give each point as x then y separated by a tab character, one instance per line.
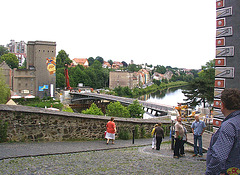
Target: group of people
223	156
198	128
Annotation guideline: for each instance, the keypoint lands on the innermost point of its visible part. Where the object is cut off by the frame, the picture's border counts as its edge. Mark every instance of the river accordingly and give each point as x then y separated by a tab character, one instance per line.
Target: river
170	97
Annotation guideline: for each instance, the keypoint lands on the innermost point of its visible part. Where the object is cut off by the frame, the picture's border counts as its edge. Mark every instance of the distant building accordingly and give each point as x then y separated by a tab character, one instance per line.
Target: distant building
7	73
39	78
117	65
168	75
19	49
123	79
106	65
80	61
144	76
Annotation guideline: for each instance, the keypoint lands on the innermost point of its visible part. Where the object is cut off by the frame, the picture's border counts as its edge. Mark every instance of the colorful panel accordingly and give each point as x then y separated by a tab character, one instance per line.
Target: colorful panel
219	83
220	41
217	112
225	51
227	31
41	88
220	62
51	65
217	122
217	103
220	4
224	12
225	72
221	22
217	93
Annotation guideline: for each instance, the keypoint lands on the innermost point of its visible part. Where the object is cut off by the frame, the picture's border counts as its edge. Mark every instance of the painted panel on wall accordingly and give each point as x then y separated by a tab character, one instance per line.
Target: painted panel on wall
219	83
221	22
220	4
217	93
227	31
220	41
224	12
225	51
220	62
51	65
225	72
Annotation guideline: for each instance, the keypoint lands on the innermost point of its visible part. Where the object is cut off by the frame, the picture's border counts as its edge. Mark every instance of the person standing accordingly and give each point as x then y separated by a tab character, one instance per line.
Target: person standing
154	136
179	131
111	130
198	128
159	135
223	156
184	140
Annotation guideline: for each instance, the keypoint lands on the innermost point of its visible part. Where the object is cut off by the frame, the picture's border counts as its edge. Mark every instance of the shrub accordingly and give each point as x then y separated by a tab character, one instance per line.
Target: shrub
124	134
136	132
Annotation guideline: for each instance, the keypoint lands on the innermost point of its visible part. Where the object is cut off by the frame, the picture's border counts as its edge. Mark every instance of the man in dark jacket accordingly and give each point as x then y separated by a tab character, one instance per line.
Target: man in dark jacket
159	135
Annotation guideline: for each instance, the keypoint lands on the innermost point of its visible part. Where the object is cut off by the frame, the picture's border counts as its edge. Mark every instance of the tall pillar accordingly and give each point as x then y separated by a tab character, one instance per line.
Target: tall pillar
227	62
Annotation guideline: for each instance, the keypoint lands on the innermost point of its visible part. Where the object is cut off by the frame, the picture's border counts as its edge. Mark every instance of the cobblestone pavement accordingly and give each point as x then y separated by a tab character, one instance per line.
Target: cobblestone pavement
134	160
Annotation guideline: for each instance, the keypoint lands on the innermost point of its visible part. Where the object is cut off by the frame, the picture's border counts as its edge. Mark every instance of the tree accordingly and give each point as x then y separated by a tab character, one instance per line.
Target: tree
124	64
4	89
3	50
136	109
11	59
160	69
90	61
94	110
100	59
110	62
62	59
201	89
134	68
117	109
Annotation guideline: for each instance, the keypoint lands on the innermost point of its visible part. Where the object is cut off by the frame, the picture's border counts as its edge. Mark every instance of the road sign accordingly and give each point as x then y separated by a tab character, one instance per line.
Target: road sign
219	83
221	22
217	93
220	42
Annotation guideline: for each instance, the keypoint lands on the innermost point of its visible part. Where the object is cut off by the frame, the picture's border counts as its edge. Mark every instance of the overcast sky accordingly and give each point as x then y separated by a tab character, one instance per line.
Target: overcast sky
177	33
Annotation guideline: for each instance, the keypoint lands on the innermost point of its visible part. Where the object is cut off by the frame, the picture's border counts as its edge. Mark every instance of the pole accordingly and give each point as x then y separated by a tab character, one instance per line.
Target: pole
133	131
172	141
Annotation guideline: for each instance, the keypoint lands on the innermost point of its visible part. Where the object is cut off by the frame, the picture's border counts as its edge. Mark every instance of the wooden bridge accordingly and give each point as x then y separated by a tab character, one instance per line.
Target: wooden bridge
160	109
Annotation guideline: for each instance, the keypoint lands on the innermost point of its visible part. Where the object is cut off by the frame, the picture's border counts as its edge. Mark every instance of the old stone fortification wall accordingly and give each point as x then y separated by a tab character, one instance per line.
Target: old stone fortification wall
37	124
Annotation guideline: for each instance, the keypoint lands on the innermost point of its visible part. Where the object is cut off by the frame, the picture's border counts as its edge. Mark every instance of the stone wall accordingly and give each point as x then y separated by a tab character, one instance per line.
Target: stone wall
37	124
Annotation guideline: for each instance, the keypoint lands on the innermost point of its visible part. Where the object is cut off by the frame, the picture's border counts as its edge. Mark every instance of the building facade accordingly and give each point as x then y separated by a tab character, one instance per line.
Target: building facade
39	78
123	79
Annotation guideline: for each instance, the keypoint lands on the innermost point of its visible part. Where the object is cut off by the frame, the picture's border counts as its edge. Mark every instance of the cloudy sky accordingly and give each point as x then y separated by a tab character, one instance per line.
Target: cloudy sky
159	32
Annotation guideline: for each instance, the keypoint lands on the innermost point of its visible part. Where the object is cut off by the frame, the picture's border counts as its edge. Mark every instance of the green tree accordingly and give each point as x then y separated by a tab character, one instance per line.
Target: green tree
90	61
3	50
60	80
201	89
62	59
4	89
94	110
11	59
160	69
134	68
116	109
100	59
136	109
110	62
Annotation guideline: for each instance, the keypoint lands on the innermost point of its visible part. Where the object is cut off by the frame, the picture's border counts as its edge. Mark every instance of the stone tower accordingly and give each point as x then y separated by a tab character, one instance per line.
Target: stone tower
41	58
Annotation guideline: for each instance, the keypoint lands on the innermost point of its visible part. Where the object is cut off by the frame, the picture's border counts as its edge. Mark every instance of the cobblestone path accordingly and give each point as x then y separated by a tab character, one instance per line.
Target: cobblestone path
135	160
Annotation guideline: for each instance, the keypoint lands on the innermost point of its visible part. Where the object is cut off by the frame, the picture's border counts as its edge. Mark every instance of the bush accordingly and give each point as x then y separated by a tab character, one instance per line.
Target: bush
136	132
143	132
124	134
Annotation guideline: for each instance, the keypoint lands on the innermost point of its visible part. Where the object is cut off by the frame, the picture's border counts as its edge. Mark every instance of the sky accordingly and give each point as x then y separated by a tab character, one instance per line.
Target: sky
176	33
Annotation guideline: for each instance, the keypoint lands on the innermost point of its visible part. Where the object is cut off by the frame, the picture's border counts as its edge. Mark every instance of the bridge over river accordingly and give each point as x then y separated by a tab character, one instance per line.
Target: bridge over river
159	109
